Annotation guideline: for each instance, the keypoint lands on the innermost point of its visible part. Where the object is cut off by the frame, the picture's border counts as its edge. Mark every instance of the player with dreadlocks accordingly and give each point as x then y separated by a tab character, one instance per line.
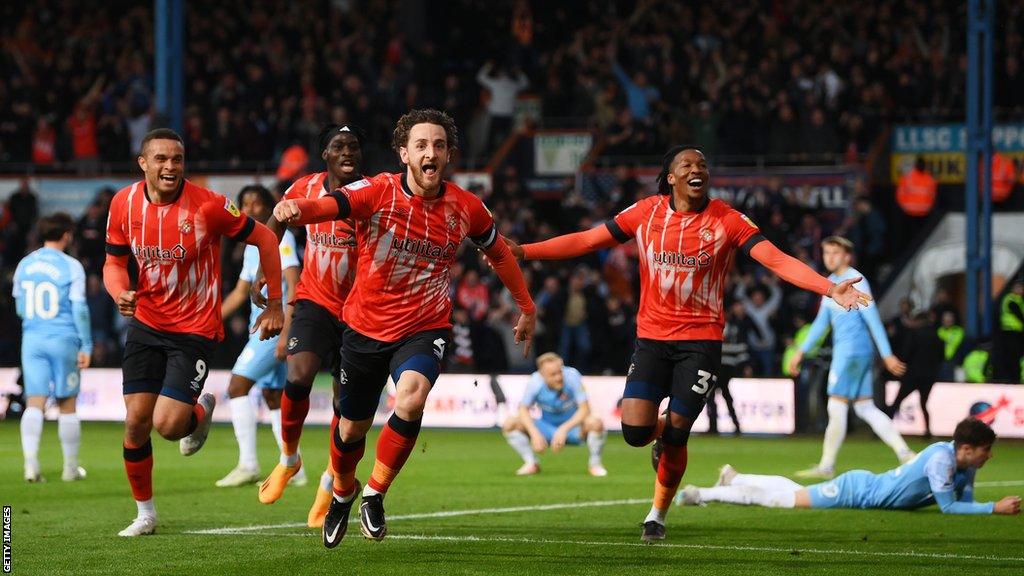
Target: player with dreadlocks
687	241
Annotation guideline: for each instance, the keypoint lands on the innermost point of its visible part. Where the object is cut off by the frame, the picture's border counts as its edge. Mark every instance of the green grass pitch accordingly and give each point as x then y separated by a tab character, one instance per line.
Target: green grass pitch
448	514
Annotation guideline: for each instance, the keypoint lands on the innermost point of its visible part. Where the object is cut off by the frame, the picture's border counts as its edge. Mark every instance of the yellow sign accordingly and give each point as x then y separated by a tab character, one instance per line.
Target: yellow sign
947	167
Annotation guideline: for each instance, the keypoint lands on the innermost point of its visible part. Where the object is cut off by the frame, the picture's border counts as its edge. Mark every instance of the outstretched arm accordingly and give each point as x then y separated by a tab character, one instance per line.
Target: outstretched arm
801	275
511	276
790	269
570	245
334	206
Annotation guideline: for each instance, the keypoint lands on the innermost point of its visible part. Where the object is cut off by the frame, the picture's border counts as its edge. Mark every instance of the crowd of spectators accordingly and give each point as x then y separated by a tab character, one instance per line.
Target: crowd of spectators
792	78
787	78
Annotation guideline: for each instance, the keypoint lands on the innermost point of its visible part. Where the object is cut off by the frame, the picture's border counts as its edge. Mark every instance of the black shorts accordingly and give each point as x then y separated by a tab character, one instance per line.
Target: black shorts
165	363
686	371
314	329
367	363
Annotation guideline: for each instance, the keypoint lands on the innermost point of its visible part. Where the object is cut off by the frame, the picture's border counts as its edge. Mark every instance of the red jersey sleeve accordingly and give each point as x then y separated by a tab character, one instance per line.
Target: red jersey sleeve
482	231
117	240
362	196
293	192
223	217
623	227
741	230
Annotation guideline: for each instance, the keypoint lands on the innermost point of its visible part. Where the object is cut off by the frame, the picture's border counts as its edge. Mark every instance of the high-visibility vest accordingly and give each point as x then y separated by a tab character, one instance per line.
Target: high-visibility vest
1003	172
1008	320
976	366
916	193
953	336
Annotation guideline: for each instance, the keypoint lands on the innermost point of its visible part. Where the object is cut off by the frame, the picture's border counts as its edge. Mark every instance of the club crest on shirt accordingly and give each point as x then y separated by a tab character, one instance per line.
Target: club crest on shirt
185	227
231	208
452	222
706	235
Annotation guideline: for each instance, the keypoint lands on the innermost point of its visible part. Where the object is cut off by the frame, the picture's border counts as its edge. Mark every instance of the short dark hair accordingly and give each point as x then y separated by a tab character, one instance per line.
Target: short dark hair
160	134
265	195
425	116
919	163
973	432
843	243
666	166
53	227
331	130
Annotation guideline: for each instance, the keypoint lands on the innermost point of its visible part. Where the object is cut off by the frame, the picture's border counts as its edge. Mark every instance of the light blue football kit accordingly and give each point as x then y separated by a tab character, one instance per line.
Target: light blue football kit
556	406
930	478
49	292
257	361
855	336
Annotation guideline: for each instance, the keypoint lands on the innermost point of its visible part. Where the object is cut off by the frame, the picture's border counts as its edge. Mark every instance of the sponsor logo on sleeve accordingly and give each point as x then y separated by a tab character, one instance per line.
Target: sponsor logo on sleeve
231	208
357	185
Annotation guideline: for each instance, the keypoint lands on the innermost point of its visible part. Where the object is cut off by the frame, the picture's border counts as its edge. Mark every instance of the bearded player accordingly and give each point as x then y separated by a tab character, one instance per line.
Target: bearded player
688	242
173	228
409	227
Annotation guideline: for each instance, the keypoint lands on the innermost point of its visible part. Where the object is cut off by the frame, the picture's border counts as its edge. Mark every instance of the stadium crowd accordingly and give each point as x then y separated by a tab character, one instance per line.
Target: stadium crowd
789	80
786	80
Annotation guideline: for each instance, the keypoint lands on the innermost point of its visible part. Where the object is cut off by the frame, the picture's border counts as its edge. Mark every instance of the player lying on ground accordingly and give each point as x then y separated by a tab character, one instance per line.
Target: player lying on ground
173	228
687	242
942	474
261	361
409	228
314	340
855	336
557	390
56	342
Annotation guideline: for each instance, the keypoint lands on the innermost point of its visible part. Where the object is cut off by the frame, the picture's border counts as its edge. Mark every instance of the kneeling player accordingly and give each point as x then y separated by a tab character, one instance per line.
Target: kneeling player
943	473
557	390
261	361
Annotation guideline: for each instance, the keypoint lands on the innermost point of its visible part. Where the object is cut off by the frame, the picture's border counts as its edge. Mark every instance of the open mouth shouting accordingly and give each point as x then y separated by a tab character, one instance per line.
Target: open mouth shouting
347	165
429	169
696	182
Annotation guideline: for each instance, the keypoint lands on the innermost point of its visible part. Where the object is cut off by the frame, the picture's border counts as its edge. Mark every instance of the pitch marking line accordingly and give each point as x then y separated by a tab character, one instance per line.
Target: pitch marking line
442	514
999	483
771	549
931	555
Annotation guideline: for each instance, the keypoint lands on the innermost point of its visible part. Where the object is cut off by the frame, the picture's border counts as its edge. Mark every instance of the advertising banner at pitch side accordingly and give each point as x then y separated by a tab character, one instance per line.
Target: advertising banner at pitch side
1001	406
457	401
